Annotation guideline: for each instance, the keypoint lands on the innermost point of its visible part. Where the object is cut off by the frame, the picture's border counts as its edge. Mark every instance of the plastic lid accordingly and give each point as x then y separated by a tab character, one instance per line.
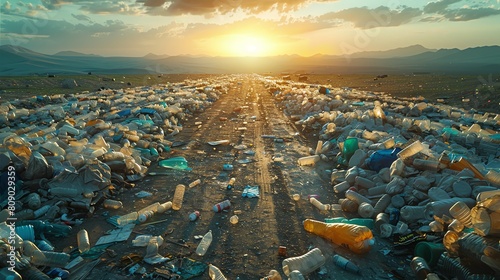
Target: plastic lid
369	242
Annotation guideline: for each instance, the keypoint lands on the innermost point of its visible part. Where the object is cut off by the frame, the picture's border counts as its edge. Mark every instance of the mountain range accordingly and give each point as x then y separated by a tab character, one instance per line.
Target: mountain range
17	61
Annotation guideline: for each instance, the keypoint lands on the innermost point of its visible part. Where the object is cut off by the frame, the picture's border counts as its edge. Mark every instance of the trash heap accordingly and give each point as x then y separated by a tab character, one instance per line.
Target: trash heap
421	175
61	157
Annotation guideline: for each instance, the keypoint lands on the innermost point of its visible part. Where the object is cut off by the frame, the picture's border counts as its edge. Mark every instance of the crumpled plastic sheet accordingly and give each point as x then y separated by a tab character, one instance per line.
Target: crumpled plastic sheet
251	191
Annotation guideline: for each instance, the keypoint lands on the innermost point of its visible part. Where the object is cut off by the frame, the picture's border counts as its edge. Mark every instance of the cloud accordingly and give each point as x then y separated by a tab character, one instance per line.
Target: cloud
466	14
366	18
81	17
439	6
110	7
207	8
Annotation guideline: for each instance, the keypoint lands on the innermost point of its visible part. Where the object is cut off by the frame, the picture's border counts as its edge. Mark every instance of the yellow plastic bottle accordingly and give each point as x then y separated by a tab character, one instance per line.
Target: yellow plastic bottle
178	197
358	239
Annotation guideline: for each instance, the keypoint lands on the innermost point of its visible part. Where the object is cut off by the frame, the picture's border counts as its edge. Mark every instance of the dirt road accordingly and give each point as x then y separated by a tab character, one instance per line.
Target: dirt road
248	249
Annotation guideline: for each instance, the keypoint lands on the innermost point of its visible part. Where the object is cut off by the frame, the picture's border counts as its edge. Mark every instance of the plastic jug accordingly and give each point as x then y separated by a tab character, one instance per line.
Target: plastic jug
306	263
356	238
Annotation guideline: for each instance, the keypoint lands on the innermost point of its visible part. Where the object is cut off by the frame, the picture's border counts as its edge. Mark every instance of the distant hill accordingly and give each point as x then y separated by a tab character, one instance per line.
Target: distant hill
72	53
480	60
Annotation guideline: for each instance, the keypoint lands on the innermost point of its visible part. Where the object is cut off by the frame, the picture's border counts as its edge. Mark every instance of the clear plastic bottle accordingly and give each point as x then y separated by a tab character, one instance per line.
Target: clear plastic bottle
194	183
127	219
143	240
164	207
306	263
178	197
83	241
144	216
112	204
150	208
215	273
205	242
319	205
53	259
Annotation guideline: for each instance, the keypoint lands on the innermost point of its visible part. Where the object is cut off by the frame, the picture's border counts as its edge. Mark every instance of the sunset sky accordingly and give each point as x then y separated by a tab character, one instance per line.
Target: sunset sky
246	27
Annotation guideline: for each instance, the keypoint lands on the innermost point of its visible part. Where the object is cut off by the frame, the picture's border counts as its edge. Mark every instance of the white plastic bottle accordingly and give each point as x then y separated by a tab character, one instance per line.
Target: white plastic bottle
306	263
83	241
204	244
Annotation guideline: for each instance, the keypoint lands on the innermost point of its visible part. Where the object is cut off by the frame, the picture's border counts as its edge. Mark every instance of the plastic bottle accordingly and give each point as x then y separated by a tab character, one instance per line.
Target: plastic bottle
345	264
348	205
342	187
127	219
162	208
151	249
365	210
205	242
230	184
308	160
83	241
420	267
150	208
144	216
412	213
461	212
44	245
143	240
319	205
178	197
411	150
194	183
358	239
215	273
319	145
382	204
363	182
442	207
306	263
112	204
352	195
33	201
221	206
193	216
52	259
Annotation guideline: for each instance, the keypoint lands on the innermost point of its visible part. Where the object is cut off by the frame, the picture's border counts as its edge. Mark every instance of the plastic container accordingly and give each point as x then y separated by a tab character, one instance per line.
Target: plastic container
319	205
150	208
178	197
52	259
112	204
231	182
461	212
382	218
194	183
341	187
411	150
127	219
485	217
319	146
151	249
350	146
215	273
352	195
365	210
456	226
308	161
221	206
43	245
193	216
348	205
450	242
429	251
33	201
176	163
162	208
143	240
345	264
205	242
296	275
26	232
358	239
363	182
442	207
412	213
382	204
83	241
306	263
144	216
420	267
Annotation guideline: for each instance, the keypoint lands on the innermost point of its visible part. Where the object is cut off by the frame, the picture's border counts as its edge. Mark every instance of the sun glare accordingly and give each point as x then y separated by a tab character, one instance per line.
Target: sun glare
244	45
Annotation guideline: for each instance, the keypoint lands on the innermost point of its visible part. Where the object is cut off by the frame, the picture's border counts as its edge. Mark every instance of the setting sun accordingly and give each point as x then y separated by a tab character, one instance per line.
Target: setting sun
244	45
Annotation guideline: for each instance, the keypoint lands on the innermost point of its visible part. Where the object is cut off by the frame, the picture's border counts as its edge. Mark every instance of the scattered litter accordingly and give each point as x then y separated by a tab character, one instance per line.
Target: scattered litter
251	191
